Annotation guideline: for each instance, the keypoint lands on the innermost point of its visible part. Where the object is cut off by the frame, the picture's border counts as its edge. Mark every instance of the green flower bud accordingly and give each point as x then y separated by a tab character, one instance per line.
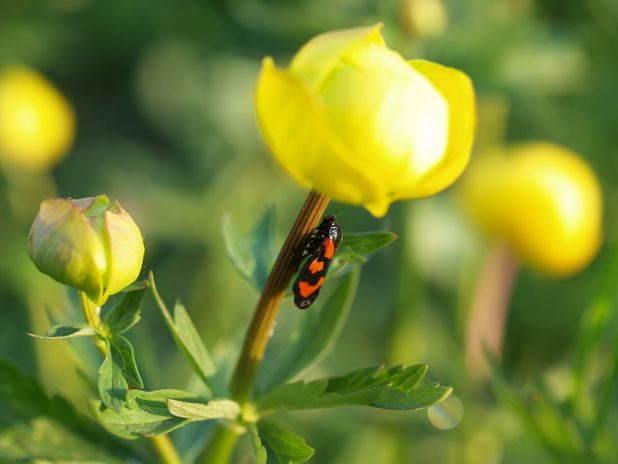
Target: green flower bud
89	244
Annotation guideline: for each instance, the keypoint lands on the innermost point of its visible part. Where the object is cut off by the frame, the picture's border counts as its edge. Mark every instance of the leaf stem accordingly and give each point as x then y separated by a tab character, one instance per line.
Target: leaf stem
162	444
274	290
221	445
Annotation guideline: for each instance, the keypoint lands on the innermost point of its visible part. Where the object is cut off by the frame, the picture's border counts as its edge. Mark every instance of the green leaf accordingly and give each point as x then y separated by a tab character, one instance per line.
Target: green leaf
112	384
261	455
376	386
67	331
313	338
36	428
262	244
213	409
281	445
144	413
355	245
238	249
118	373
252	255
129	366
126	312
186	336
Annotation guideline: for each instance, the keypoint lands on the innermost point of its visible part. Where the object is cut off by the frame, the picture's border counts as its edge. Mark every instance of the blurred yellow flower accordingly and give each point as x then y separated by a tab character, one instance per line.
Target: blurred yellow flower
543	199
90	244
37	124
354	120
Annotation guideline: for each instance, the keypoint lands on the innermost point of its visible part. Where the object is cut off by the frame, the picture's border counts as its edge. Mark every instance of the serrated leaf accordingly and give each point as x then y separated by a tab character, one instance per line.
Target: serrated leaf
67	331
376	386
144	413
282	446
186	336
213	409
314	337
238	249
36	428
126	312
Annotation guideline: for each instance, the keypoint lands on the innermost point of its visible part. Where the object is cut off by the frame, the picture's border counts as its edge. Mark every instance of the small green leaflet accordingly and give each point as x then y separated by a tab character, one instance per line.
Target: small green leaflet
117	373
355	247
254	255
273	444
143	414
213	409
186	336
126	312
67	331
376	386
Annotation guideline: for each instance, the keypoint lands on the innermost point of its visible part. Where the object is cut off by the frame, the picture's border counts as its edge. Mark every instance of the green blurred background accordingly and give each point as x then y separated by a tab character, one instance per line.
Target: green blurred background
163	94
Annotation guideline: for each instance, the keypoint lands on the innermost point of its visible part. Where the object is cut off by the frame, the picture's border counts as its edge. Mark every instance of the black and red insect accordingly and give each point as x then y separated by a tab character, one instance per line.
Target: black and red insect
319	250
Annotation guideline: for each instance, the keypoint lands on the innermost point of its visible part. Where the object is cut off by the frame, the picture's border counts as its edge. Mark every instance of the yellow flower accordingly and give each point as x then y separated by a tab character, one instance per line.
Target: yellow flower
37	124
544	200
89	244
354	120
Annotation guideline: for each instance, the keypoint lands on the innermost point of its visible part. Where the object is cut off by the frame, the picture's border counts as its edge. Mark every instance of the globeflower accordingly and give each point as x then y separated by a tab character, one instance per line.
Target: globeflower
90	244
37	124
543	200
354	120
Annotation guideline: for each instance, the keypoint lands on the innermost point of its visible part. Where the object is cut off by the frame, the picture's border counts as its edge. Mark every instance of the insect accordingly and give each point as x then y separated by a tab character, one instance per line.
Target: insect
320	249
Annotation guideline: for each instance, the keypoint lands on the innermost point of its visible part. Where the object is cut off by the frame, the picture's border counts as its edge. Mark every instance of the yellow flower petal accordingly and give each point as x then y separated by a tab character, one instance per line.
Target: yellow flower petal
543	200
293	124
36	123
457	90
316	59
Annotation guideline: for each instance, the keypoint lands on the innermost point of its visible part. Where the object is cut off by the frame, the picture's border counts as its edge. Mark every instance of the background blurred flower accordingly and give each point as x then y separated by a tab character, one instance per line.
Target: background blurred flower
89	244
37	124
543	200
354	120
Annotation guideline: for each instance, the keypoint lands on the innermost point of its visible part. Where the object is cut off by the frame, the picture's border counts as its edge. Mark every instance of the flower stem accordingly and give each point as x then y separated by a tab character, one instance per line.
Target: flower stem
221	445
272	295
162	444
489	308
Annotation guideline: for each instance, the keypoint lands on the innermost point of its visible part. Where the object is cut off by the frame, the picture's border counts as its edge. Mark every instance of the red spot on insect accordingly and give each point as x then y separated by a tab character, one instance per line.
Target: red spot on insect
316	266
329	248
306	289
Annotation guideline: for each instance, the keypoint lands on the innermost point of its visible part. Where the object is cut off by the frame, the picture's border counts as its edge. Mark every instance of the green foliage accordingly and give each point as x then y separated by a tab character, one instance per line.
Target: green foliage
127	311
143	413
376	386
252	256
357	246
213	409
186	336
34	427
274	444
313	338
77	329
118	373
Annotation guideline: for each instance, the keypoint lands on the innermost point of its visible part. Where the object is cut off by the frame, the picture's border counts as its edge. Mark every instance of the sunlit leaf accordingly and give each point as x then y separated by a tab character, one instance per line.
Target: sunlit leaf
213	409
376	386
281	445
67	331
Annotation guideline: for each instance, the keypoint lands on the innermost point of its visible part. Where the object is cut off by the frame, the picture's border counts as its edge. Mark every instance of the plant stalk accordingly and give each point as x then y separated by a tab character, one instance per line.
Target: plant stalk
162	444
221	446
272	295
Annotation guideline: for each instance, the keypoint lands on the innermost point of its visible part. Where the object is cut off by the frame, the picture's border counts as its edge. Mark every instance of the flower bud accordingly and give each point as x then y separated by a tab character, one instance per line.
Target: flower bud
89	244
37	124
543	200
354	120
